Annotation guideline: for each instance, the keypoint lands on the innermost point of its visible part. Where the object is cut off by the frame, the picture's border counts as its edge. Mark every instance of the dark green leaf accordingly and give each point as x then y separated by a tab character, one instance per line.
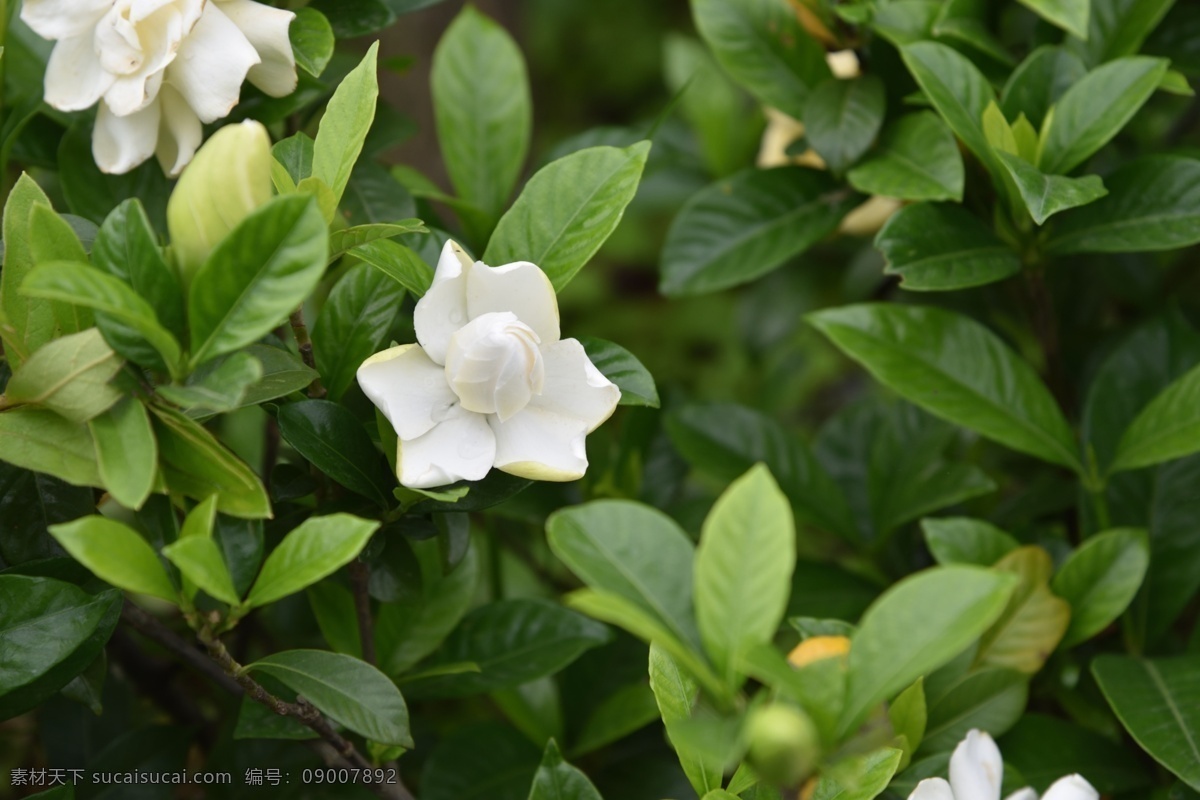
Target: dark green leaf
29	501
1166	429
1039	82
1045	748
622	368
941	246
1100	579
1046	195
331	438
959	540
218	386
1070	15
481	762
353	325
558	780
842	117
1118	27
283	373
93	194
990	699
398	262
917	159
344	240
352	18
295	154
312	40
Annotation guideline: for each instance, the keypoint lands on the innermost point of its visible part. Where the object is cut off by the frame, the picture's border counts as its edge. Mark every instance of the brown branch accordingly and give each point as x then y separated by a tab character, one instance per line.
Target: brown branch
300	331
152	629
360	579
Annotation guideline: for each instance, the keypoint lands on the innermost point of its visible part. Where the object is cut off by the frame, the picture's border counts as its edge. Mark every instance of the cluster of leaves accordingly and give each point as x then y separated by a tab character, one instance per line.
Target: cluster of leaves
1002	523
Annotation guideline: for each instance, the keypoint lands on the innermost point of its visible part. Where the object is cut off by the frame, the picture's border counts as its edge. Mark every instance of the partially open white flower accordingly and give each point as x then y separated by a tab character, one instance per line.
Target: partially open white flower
976	772
490	382
159	68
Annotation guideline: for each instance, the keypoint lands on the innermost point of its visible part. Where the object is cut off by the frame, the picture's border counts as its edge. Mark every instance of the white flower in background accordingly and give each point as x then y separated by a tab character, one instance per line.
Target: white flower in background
159	68
976	772
490	382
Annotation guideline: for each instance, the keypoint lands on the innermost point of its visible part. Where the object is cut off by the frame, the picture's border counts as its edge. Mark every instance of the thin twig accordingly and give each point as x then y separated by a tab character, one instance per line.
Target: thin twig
152	629
300	331
360	579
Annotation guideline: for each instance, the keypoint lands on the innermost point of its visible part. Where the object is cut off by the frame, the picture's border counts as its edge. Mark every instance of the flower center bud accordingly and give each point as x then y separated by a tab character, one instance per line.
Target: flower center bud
494	365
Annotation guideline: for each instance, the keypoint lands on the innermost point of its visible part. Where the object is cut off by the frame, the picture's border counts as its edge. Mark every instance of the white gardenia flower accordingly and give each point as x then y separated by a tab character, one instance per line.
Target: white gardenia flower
490	383
159	69
976	772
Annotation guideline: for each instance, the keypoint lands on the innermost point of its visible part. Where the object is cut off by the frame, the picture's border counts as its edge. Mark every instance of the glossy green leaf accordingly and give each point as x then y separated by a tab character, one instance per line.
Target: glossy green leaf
763	46
1046	195
354	324
1100	579
1070	15
27	323
50	631
917	159
741	228
622	368
1095	109
483	109
675	692
312	40
941	246
42	441
1039	81
201	562
558	780
991	700
282	373
399	263
633	551
344	240
69	376
1153	204
1167	428
568	210
116	554
960	540
195	464
743	569
256	276
956	369
1158	702
1045	748
843	117
725	440
331	437
346	689
344	126
318	547
126	452
85	285
295	155
916	626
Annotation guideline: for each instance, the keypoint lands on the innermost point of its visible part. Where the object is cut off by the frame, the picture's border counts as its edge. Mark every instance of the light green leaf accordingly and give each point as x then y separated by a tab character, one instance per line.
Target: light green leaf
741	228
51	238
1070	15
916	626
977	382
909	717
842	117
344	126
1095	109
201	562
941	246
25	324
1100	580
344	240
483	109
568	210
762	44
256	276
126	452
1033	622
69	376
399	263
318	547
676	692
917	159
743	569
1167	428
116	554
42	441
346	689
960	540
858	777
1046	195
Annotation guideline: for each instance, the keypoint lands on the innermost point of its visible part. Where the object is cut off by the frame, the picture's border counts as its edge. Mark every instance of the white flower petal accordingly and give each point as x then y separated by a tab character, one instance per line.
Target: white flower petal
61	19
179	134
932	789
843	64
212	64
131	94
408	388
573	386
1072	787
121	143
460	448
520	287
541	445
267	30
74	77
976	769
443	309
1023	794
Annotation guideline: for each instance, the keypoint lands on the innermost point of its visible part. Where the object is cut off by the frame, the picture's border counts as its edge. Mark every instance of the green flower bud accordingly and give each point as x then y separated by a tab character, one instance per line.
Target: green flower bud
784	745
228	179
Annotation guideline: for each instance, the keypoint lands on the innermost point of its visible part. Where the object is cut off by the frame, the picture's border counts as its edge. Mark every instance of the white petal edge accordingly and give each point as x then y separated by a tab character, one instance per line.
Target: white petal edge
212	64
541	445
408	388
573	387
121	143
74	78
932	789
179	132
61	19
1023	794
1071	787
267	30
462	448
443	308
520	287
976	769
